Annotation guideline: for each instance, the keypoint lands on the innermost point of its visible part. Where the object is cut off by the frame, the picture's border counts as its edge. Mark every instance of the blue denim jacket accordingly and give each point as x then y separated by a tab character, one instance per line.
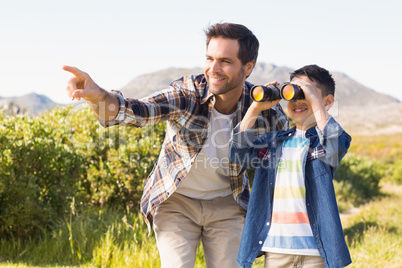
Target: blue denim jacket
263	155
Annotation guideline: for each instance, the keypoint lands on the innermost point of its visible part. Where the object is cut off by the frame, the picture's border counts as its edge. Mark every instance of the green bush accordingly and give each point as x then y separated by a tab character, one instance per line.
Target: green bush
395	172
38	170
47	161
357	180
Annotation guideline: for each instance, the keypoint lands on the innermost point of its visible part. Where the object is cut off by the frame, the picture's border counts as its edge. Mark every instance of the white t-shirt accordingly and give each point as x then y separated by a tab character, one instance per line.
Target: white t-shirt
290	231
209	174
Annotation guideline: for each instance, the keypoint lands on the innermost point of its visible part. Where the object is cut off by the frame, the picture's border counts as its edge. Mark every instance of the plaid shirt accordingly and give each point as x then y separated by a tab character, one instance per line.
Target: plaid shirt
186	106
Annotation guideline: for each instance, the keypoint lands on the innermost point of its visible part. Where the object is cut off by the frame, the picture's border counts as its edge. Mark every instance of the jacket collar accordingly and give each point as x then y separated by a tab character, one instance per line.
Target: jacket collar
287	134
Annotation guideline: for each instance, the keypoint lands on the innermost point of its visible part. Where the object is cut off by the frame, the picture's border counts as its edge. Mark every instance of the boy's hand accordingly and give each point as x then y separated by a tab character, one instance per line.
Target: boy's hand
255	109
308	90
265	105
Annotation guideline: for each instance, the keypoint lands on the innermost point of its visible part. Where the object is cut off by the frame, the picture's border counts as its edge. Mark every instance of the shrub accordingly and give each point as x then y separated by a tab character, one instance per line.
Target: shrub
36	171
118	159
396	171
357	180
47	161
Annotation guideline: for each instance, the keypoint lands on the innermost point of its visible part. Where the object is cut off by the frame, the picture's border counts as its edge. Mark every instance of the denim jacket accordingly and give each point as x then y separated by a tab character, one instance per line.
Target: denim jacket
327	148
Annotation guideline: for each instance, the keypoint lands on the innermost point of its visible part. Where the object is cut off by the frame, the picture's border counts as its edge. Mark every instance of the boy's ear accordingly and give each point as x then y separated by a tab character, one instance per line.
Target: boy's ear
329	100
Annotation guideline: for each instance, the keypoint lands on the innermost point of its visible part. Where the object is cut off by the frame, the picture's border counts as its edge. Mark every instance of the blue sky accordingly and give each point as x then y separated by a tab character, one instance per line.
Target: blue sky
115	41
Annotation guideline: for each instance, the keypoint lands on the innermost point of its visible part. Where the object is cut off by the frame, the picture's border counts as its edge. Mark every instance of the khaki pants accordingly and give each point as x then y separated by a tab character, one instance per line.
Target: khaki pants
276	260
180	222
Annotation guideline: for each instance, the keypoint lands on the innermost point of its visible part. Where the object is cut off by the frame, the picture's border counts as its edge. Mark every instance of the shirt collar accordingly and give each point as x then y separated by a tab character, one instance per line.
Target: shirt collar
207	96
243	102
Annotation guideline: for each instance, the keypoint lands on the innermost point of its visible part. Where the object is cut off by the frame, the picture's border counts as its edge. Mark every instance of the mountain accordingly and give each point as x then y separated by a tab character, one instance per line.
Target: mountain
348	91
31	104
359	109
147	84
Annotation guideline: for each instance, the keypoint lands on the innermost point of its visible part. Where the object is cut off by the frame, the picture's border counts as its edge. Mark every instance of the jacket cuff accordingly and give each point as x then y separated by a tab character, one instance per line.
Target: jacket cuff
332	130
243	139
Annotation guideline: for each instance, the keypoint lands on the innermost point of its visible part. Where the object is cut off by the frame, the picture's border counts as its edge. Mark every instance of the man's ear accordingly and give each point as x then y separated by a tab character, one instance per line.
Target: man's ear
329	100
249	68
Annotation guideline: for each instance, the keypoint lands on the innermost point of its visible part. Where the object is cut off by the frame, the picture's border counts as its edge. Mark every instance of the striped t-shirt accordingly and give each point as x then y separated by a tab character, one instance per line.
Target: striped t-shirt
290	231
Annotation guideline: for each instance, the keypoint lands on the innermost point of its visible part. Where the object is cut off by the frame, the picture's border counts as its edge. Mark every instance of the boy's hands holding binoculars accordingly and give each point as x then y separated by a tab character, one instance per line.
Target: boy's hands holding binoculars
265	105
308	89
255	109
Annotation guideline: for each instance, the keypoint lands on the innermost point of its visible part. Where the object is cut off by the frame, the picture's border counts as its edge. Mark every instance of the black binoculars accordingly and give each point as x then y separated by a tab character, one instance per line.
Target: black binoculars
288	92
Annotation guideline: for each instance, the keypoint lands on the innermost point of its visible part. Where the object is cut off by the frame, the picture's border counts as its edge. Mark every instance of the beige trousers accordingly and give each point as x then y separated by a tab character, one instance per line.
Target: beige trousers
181	222
276	260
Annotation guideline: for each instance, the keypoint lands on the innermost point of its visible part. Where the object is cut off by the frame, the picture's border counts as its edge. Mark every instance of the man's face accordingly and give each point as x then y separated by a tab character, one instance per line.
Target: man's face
223	69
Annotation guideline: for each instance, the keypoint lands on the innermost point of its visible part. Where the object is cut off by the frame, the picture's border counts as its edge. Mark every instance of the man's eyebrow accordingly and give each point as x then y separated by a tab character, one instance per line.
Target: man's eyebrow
220	58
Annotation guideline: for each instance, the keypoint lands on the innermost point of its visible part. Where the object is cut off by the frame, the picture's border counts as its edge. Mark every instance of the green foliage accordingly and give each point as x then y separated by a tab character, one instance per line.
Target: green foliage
118	158
47	161
37	173
395	172
357	180
384	148
374	233
96	238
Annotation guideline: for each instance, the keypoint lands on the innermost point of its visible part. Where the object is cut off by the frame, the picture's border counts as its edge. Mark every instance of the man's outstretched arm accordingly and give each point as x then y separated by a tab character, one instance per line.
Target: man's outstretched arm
105	104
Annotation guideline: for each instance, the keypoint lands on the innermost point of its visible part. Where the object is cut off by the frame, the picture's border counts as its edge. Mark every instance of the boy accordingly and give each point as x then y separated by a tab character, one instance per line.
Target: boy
293	216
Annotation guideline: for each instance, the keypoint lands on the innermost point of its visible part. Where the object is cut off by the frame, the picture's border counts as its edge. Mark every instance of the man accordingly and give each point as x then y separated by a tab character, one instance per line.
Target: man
193	192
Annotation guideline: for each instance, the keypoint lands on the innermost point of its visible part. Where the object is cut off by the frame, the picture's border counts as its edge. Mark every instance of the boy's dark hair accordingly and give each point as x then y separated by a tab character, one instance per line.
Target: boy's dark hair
319	75
248	42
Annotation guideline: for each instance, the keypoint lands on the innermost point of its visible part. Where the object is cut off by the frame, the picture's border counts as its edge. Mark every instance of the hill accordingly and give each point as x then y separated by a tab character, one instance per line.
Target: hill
31	104
359	109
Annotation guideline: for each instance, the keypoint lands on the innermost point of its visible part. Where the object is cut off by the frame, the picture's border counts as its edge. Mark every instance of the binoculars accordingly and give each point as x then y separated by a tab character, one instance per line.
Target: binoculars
288	92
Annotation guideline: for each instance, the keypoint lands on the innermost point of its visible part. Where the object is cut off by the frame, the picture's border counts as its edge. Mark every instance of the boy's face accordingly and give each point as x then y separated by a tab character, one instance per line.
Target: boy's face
300	110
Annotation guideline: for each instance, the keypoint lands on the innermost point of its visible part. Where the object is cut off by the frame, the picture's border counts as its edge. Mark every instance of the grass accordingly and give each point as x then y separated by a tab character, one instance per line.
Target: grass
110	239
374	234
93	239
385	148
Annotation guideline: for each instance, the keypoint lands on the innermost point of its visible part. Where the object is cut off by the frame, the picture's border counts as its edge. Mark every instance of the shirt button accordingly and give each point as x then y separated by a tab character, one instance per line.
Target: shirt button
267	223
260	242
